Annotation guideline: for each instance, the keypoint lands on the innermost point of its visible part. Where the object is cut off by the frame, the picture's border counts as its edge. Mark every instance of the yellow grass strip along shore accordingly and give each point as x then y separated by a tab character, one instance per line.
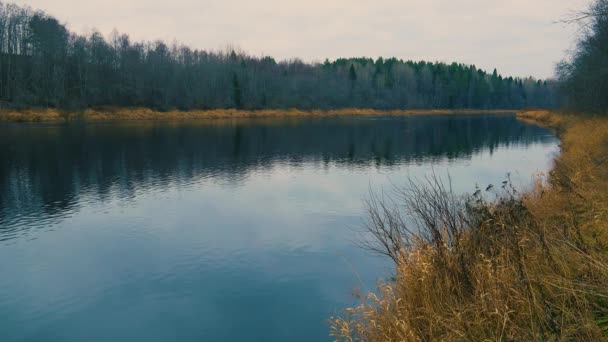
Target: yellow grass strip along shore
130	114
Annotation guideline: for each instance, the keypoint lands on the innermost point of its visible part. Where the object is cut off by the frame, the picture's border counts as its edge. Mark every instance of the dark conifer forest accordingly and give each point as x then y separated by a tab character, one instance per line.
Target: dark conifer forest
43	64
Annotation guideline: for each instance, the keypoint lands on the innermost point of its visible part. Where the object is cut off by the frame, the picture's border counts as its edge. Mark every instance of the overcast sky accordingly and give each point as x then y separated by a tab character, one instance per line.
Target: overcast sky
518	37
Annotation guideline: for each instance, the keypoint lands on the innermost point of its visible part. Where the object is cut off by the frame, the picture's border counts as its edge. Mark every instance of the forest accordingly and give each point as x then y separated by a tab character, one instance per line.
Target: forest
43	64
583	76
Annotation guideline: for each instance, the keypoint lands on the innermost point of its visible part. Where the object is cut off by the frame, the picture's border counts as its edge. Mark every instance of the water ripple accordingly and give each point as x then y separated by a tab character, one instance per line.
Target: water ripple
147	230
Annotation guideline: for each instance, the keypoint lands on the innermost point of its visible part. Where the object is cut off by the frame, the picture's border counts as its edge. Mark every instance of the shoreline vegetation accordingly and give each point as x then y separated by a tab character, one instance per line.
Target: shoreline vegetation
133	114
521	267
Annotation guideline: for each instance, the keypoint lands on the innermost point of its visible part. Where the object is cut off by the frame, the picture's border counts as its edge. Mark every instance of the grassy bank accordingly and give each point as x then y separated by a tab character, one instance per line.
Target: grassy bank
128	114
531	267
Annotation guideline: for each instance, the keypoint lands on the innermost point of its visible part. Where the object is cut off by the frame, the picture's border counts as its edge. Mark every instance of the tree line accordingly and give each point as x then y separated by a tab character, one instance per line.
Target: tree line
43	64
583	78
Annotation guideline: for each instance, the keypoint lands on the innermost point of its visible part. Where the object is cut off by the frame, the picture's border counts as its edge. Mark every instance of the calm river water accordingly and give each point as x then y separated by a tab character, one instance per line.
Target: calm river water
220	230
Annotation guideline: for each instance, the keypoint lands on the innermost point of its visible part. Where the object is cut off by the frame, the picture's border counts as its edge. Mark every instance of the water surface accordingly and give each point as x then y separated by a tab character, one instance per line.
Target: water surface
219	230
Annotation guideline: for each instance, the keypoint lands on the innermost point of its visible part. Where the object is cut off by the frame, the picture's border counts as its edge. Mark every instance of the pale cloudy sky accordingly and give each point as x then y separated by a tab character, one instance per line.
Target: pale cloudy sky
518	37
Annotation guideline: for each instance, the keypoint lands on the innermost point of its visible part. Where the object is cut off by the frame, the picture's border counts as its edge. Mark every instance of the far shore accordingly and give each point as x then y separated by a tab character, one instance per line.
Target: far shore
133	114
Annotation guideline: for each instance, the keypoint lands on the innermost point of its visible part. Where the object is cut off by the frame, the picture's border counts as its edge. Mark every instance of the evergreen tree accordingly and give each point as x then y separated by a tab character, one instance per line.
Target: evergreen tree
352	74
236	91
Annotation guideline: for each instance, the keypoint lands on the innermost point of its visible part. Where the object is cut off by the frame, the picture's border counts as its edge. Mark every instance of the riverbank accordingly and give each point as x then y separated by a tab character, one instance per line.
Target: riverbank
523	267
132	114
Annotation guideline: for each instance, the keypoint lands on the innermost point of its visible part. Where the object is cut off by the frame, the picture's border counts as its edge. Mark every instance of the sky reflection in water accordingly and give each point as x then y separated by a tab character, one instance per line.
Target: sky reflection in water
217	231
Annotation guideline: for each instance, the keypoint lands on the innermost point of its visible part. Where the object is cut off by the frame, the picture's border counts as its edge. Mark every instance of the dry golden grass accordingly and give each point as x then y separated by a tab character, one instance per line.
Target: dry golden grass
126	114
32	115
579	180
522	268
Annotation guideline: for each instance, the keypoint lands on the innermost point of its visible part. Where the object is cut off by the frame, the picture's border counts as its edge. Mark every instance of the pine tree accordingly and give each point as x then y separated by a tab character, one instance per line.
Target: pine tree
236	87
352	74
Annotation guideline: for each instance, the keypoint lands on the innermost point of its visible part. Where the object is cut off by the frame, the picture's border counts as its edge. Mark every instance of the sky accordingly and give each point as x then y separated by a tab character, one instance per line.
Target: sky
518	37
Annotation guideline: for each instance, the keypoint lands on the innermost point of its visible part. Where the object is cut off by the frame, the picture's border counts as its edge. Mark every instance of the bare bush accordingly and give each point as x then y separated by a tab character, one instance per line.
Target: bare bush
468	268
